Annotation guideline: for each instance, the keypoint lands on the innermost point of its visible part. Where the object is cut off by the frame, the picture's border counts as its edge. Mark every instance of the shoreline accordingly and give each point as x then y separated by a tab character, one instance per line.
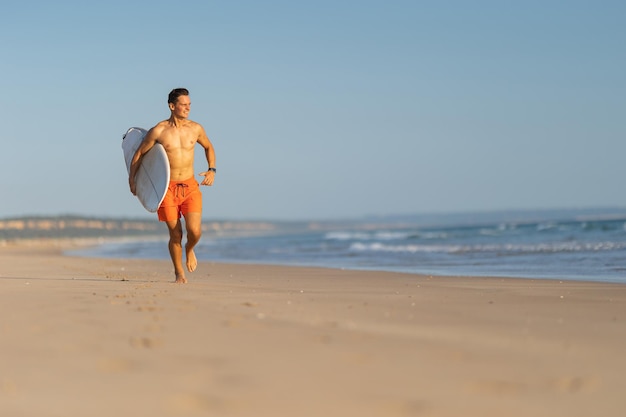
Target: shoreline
100	337
95	243
63	247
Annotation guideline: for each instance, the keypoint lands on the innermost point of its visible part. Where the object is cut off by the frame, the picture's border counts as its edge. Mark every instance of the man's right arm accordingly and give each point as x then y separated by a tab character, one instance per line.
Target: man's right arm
147	144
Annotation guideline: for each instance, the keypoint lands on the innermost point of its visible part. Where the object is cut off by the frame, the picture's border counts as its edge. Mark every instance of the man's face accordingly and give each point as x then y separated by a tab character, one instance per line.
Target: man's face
181	107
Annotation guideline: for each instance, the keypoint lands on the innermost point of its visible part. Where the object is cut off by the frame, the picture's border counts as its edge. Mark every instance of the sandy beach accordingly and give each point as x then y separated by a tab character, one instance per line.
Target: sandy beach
100	337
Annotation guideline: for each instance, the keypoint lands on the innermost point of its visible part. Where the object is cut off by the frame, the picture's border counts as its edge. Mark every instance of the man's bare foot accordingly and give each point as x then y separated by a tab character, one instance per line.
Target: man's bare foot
180	279
192	262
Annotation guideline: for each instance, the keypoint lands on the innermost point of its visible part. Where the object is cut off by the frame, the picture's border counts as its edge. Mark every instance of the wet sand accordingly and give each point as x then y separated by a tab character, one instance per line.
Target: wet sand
99	337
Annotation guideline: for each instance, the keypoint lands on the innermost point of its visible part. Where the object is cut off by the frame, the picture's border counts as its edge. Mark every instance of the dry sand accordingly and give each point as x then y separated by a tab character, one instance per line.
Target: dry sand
95	337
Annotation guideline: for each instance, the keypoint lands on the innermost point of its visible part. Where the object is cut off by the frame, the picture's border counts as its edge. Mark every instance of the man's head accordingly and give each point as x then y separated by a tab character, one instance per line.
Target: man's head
175	93
179	106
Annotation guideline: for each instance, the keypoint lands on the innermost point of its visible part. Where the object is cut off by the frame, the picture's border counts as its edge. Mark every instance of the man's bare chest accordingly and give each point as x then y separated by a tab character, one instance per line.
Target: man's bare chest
178	139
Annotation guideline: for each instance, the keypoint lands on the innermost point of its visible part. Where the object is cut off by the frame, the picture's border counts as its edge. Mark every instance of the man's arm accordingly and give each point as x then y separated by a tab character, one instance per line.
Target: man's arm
147	144
209	152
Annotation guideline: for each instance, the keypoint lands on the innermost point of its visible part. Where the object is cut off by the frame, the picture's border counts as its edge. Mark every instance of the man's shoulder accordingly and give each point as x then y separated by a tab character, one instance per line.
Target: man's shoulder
158	128
161	125
194	125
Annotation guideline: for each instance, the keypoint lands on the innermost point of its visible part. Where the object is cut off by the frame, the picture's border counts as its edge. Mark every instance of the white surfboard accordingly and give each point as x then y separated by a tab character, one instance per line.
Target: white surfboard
153	175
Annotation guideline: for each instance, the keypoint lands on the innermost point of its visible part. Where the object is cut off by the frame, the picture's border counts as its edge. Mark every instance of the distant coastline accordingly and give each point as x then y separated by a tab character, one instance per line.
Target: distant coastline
55	227
79	226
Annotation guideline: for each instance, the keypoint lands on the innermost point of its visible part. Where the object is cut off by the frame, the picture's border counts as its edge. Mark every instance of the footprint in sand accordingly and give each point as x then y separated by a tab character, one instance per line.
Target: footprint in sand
574	384
193	403
144	342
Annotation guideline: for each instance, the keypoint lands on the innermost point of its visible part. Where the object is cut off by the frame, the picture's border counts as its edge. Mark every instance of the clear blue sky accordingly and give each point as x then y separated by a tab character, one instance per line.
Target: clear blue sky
320	109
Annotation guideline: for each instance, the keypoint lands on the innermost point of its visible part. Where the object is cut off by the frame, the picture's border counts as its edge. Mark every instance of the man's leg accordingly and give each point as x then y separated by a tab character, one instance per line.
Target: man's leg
193	224
176	249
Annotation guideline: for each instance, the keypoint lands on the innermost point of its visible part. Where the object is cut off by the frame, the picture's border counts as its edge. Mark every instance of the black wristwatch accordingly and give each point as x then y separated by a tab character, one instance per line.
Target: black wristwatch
213	169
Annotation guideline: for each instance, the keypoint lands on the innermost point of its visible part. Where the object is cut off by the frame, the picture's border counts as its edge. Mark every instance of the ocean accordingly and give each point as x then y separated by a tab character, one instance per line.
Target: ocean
580	248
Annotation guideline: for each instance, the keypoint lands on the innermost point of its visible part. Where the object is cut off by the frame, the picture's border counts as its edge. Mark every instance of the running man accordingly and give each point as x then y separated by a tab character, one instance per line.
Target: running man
179	135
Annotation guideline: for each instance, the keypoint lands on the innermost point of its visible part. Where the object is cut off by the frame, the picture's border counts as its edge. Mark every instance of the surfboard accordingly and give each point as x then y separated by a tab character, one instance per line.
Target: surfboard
153	175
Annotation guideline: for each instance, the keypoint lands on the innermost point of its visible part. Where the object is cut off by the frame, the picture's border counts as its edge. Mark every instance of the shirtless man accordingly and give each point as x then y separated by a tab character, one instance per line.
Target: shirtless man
178	135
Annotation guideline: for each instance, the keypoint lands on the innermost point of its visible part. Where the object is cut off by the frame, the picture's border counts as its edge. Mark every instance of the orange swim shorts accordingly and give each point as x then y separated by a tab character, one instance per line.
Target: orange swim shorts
182	197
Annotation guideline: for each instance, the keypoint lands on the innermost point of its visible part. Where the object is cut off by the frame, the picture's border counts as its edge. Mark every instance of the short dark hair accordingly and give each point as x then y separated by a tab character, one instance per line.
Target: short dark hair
175	93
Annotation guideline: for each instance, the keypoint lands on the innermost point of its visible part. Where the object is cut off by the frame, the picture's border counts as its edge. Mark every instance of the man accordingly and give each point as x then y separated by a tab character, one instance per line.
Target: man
178	135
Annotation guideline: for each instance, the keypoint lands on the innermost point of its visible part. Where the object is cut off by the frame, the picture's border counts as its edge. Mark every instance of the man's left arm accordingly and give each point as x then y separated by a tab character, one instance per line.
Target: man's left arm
209	174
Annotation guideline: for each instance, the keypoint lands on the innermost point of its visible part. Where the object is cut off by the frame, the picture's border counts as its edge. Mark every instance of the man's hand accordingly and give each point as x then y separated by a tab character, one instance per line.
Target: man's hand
209	176
133	185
